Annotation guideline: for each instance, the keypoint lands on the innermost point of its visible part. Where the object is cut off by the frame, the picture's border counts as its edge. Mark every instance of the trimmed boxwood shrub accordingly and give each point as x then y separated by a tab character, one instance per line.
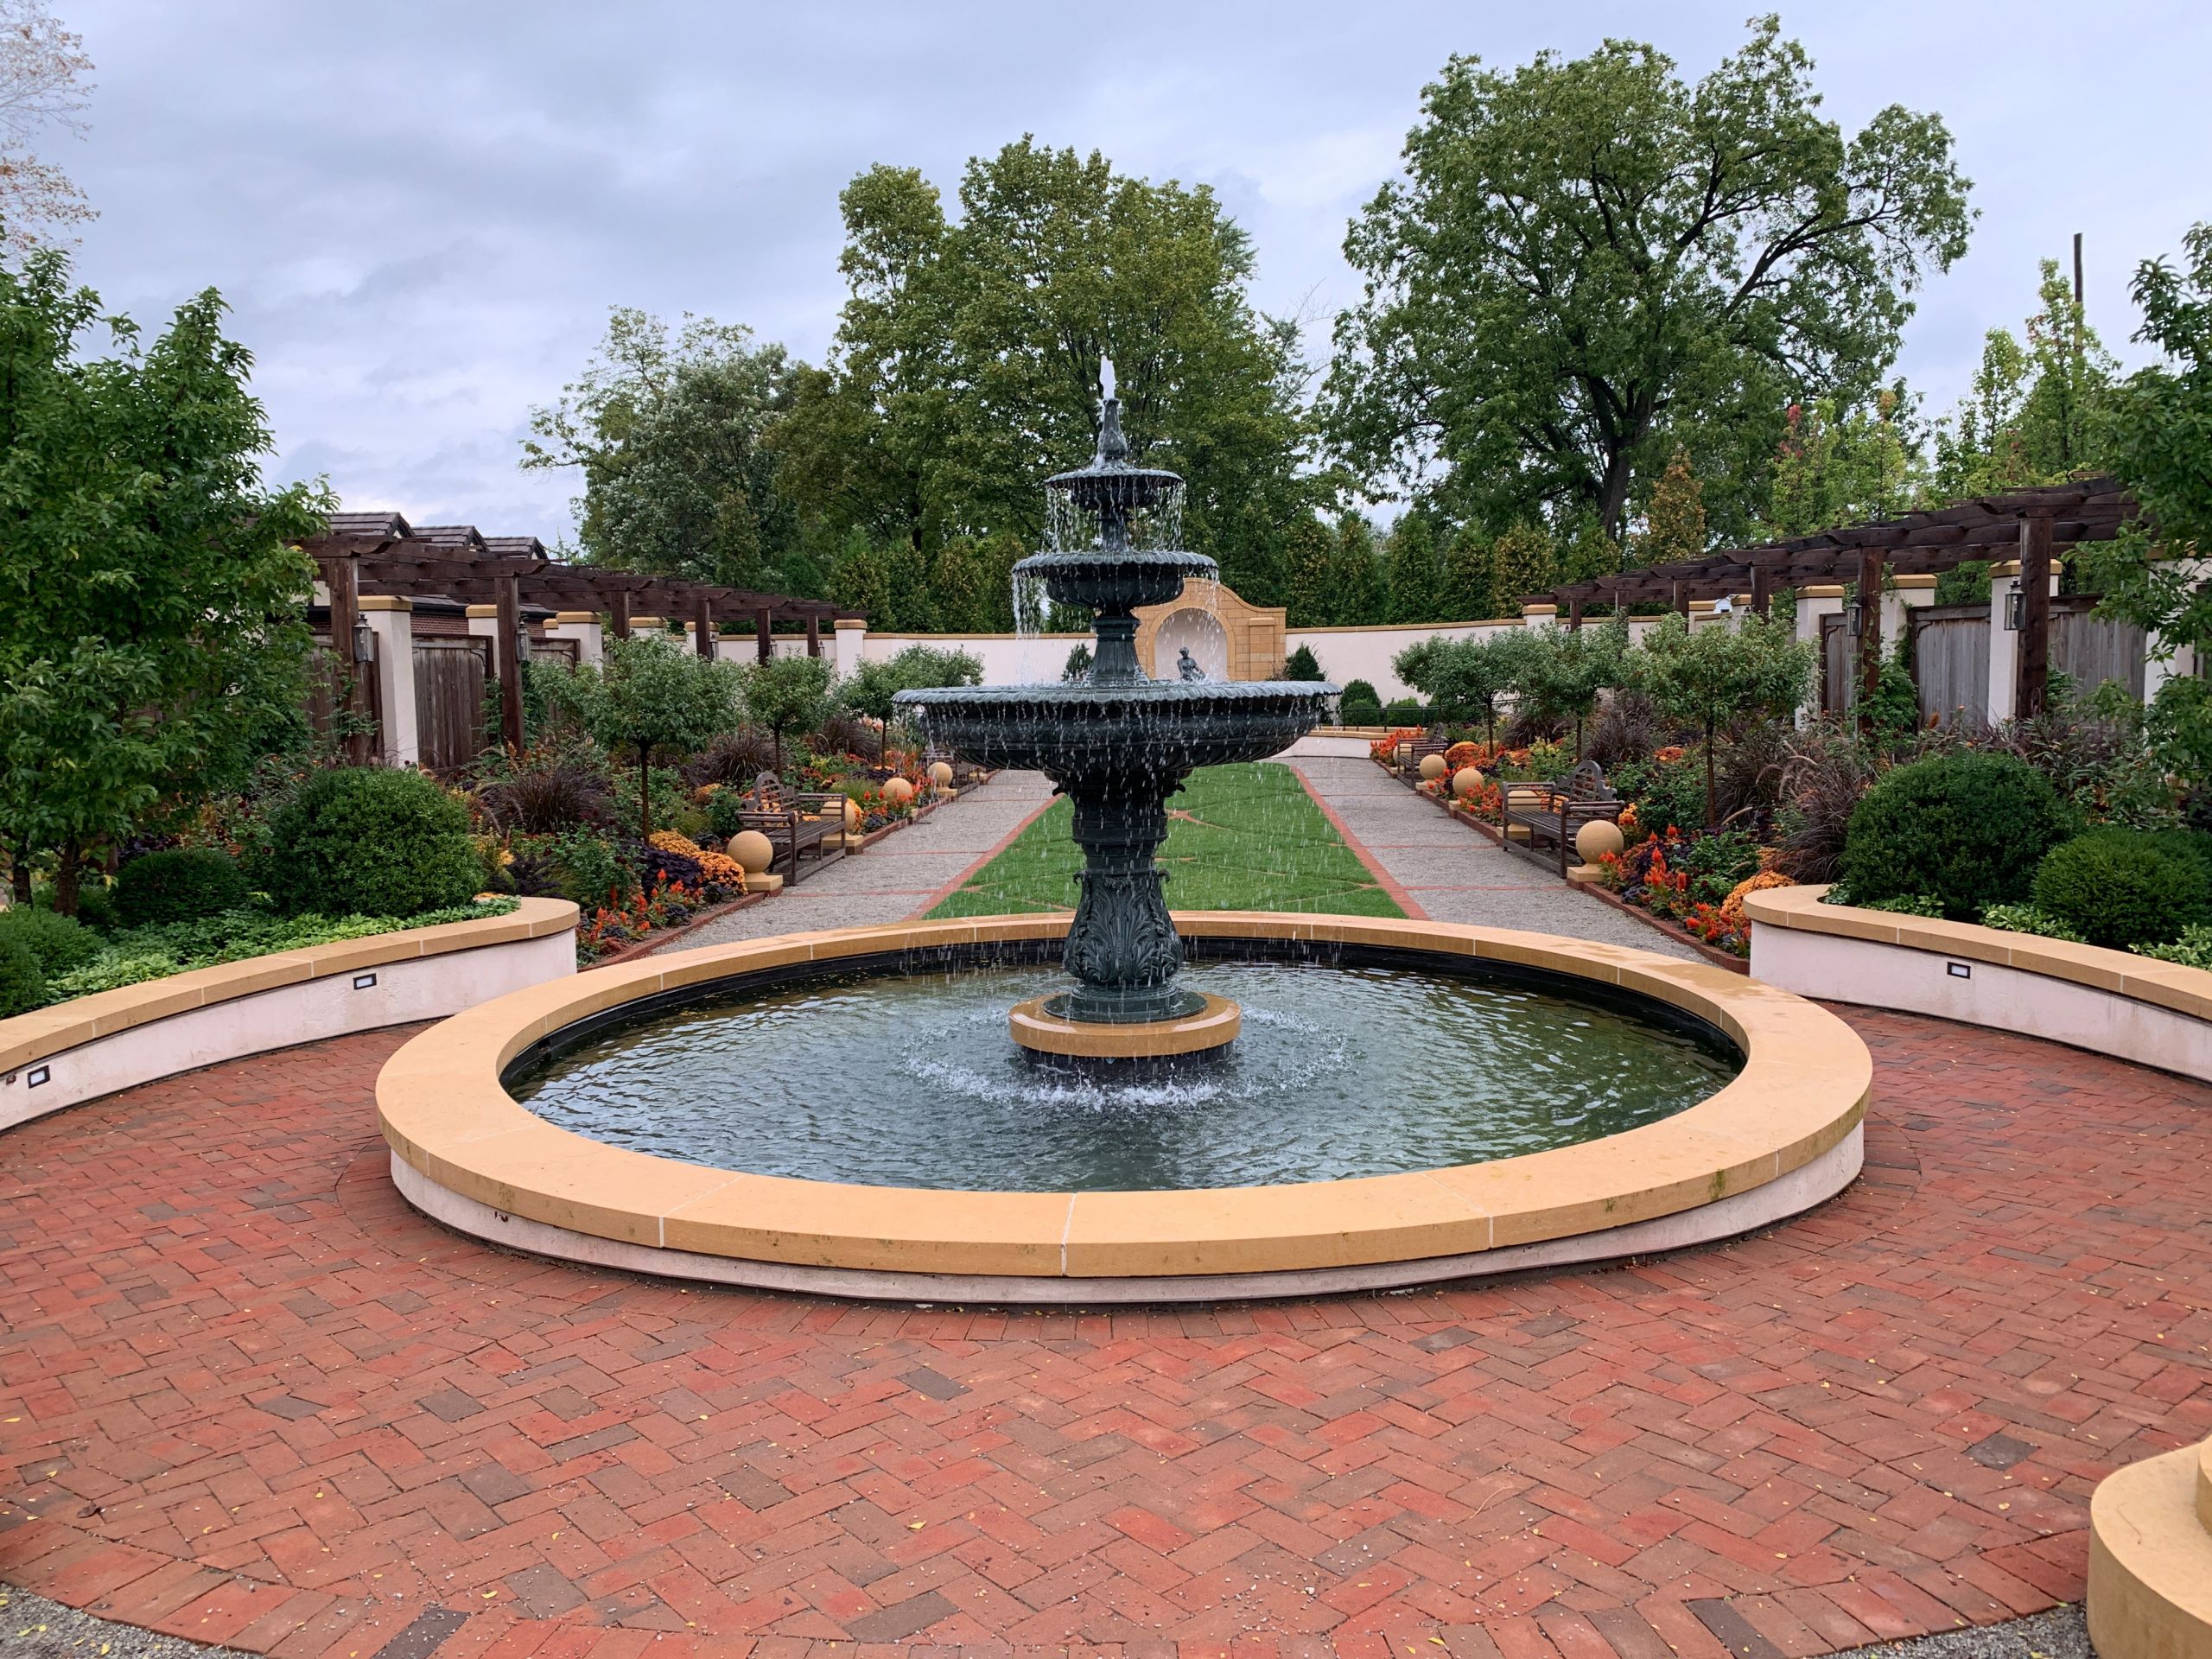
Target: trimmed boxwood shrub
58	944
179	885
2119	888
370	841
1965	830
23	987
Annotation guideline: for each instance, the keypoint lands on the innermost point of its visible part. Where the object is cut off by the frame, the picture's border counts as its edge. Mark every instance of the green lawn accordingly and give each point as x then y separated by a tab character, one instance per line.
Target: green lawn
1246	837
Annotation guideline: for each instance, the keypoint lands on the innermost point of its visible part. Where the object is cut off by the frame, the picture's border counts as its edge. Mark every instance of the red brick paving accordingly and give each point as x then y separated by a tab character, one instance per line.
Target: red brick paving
247	1396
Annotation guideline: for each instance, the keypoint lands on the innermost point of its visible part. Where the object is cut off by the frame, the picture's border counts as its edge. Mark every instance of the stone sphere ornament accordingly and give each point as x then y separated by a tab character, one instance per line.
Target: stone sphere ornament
1467	783
941	774
898	792
753	850
855	818
1432	767
1597	838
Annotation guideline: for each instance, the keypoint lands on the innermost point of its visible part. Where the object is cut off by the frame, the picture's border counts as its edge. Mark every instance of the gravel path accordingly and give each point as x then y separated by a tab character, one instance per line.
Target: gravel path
1453	872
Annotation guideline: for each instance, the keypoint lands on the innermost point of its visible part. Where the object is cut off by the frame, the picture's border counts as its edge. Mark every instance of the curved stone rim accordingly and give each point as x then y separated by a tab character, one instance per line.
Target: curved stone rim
1215	1024
464	1150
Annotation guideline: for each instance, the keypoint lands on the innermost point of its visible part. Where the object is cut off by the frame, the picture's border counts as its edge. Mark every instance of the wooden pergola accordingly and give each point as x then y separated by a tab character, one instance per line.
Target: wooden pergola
381	553
2026	524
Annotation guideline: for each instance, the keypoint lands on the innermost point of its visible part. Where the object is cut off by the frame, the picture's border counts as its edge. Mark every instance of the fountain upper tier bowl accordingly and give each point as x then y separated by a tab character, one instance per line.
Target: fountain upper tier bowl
1105	735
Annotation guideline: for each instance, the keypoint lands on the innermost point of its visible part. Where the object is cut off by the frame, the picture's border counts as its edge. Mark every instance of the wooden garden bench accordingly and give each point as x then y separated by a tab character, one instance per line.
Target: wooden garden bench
1548	815
794	820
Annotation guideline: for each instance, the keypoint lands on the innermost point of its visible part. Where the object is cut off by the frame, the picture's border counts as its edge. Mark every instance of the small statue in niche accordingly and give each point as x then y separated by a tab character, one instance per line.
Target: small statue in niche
1187	666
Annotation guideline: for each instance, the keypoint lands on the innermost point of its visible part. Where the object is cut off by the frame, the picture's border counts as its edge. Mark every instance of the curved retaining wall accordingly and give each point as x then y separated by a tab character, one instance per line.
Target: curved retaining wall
2151	1558
1780	1137
2109	1001
78	1051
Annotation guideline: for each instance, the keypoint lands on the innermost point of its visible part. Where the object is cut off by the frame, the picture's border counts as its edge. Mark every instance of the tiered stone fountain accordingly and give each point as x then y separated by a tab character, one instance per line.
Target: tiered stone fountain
1118	743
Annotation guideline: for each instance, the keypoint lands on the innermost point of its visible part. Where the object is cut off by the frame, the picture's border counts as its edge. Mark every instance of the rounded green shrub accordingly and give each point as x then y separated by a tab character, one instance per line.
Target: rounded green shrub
23	986
1965	829
180	886
372	841
2120	887
58	944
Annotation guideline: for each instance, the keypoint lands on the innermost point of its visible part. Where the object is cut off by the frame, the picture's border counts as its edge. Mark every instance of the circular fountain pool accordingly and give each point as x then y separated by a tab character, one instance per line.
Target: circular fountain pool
911	1081
1781	1135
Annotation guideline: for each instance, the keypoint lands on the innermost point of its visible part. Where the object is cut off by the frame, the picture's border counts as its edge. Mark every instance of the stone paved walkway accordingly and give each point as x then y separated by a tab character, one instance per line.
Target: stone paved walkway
898	876
248	1396
1455	873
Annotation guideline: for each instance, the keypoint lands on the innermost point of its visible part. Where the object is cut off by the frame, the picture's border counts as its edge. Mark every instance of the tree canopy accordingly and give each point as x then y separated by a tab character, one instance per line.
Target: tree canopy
1714	675
966	362
651	691
153	640
1591	261
669	434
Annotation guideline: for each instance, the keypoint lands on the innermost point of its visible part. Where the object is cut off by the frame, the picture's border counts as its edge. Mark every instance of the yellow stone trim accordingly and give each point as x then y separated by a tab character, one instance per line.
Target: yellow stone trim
1213	1025
384	603
478	612
2151	1558
2142	979
1821	590
1802	1092
572	618
1913	584
30	1037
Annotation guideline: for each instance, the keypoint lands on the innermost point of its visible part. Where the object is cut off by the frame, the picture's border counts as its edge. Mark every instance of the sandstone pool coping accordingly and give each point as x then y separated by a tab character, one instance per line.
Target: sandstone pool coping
466	1151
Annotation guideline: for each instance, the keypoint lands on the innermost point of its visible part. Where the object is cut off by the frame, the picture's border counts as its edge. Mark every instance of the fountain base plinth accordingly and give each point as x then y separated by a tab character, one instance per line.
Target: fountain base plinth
1215	1024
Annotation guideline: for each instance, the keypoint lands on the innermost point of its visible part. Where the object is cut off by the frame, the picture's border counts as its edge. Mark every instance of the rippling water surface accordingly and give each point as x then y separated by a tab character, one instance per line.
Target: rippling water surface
913	1082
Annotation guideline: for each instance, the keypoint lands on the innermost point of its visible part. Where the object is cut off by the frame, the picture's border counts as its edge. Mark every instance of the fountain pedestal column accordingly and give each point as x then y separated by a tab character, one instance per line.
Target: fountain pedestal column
1122	944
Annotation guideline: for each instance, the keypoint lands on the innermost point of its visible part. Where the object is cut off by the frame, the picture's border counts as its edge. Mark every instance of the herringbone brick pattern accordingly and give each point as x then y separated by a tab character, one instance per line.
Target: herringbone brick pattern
247	1396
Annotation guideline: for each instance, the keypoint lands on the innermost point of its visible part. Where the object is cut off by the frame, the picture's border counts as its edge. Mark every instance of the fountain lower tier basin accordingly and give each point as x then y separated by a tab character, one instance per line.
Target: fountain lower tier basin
1128	736
1037	1026
1776	1137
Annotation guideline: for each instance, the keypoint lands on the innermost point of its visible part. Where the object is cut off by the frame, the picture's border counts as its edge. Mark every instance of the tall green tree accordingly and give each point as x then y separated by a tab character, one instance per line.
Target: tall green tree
669	433
1839	467
1468	591
2035	410
1714	676
1590	260
2157	436
1522	563
1309	582
966	364
1358	592
1416	572
1674	519
153	637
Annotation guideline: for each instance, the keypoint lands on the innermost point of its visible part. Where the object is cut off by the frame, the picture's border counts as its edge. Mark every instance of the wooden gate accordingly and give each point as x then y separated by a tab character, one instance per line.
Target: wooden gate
1950	662
2090	650
1838	664
450	718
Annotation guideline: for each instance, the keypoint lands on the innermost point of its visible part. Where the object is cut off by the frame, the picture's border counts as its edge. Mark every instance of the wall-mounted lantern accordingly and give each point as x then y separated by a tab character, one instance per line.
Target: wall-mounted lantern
1854	619
521	643
2016	610
365	640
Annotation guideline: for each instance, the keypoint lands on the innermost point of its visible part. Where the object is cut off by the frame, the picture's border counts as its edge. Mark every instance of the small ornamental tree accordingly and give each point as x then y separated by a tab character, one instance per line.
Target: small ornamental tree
875	685
1300	664
1674	519
1466	673
1563	672
788	694
653	692
1716	676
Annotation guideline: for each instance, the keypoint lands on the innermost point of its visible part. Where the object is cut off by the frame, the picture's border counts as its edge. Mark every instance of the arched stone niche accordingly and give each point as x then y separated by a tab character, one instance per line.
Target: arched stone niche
1231	639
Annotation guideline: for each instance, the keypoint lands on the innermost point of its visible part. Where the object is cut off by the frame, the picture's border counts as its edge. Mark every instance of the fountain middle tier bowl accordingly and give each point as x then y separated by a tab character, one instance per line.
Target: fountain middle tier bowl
1153	729
1115	579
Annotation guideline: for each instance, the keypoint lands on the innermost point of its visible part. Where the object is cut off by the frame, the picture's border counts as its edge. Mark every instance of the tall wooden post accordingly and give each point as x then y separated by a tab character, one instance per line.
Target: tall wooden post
763	632
1679	599
621	613
702	620
2034	684
343	577
1762	590
1869	602
1574	614
507	657
813	634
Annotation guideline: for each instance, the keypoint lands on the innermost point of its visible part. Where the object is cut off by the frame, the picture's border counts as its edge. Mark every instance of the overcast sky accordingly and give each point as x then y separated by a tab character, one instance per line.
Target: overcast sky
421	212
